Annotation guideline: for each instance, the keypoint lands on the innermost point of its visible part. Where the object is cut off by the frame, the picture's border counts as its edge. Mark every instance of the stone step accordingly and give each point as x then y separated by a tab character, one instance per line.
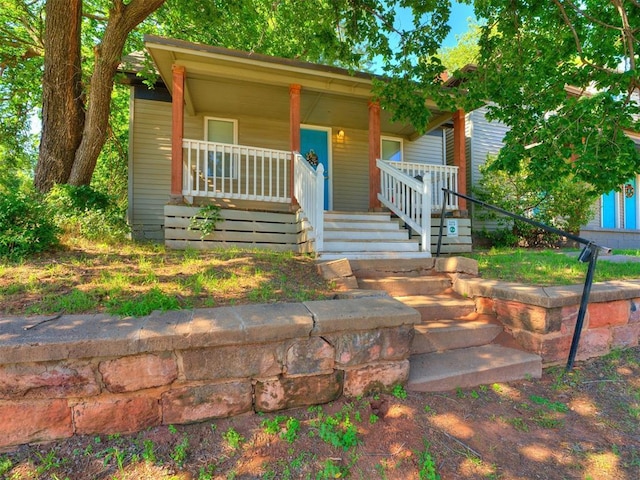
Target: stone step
439	306
469	367
441	335
356	234
370	246
408	286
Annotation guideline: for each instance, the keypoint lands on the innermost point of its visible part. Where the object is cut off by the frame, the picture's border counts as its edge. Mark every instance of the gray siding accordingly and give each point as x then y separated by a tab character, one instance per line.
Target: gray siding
150	167
426	149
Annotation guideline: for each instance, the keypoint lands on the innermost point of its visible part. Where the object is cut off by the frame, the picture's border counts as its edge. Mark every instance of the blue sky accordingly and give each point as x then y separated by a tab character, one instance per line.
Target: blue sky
458	22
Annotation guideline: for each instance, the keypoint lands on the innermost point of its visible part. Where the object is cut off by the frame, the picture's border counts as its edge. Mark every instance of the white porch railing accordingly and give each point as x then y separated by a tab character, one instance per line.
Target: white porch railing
309	191
439	176
222	170
408	198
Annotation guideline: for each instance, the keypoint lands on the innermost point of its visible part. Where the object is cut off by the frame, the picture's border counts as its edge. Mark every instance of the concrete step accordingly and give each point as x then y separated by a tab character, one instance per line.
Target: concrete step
388	255
407	287
357	216
370	246
469	367
441	306
363	225
441	335
355	234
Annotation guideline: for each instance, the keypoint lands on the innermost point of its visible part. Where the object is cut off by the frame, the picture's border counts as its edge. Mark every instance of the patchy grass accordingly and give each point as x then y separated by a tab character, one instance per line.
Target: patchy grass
133	279
550	267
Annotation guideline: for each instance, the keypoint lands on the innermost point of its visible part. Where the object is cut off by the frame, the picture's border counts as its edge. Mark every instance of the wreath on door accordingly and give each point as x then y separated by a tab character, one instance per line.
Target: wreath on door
312	158
629	191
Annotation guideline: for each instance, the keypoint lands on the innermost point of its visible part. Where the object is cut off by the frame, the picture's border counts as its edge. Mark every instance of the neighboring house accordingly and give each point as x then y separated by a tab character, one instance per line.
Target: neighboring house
236	129
616	223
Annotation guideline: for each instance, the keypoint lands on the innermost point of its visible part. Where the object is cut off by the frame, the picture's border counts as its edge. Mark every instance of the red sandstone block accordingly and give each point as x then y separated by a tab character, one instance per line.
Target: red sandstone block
377	377
528	317
202	402
128	374
625	335
116	414
484	305
552	347
47	380
608	313
569	315
289	392
309	357
220	363
34	421
594	342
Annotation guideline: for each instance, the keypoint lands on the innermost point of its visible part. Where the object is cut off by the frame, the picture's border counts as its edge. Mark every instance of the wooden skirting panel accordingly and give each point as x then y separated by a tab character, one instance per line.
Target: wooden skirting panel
240	228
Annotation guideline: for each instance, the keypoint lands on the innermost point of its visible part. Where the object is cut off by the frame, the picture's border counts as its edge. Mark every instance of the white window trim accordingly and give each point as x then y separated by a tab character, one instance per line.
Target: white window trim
233	174
393	139
221	119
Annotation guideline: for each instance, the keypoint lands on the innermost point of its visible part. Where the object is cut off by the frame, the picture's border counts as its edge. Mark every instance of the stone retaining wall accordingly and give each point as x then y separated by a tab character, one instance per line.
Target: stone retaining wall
98	374
542	319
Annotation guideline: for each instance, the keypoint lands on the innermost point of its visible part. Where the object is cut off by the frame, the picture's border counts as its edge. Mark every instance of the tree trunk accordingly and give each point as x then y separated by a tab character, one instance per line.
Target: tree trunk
122	20
62	107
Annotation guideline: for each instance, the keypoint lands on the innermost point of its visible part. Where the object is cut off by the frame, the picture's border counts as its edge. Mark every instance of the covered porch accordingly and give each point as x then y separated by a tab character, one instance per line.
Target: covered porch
243	127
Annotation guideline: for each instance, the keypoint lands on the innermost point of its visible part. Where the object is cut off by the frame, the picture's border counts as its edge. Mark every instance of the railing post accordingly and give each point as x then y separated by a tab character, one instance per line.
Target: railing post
425	220
319	209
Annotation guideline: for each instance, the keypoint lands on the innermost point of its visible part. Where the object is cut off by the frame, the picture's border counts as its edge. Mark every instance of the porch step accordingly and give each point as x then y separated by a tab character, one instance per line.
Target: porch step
364	234
441	306
413	287
440	335
469	367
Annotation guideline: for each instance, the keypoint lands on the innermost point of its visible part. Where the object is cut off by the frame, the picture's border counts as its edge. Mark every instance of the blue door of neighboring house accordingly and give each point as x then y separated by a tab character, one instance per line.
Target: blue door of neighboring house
318	141
630	205
609	210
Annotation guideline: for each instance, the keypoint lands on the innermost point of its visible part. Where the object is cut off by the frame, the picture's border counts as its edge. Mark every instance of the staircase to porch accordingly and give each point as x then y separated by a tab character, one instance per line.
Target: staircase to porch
365	235
453	346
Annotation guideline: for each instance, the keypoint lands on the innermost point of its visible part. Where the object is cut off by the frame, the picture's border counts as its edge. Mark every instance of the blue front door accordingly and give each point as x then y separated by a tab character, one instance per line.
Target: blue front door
318	141
609	210
630	205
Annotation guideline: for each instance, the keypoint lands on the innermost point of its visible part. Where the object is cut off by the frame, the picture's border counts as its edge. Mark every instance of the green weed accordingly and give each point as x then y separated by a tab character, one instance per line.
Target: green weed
141	305
553	406
148	452
179	453
399	392
518	423
427	464
233	438
331	470
5	464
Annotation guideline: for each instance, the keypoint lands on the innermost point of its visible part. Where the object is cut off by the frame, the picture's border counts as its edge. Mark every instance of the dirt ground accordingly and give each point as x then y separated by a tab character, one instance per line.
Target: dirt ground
581	425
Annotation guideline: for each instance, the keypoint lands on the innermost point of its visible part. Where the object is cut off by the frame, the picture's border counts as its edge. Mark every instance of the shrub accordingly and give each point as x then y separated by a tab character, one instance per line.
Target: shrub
567	206
82	210
25	226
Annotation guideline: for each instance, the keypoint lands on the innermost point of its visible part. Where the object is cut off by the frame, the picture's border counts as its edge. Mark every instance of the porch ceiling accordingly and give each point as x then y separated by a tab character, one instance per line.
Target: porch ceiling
223	82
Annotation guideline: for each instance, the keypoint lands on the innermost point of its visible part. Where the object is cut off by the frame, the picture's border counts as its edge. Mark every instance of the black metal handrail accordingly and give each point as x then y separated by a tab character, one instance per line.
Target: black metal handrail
589	254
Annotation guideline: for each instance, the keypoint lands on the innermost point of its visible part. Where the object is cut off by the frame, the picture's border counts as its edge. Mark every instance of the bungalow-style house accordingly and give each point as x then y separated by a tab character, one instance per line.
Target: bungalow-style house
298	156
616	220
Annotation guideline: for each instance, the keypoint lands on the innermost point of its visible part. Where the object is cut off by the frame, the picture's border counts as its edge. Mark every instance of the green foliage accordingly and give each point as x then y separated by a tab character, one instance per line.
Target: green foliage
85	211
465	52
205	220
180	451
566	204
427	464
25	227
553	406
5	464
337	430
233	438
286	428
399	392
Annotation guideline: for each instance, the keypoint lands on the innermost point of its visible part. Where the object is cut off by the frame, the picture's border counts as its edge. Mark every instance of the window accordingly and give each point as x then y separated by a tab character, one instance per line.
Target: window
221	161
391	149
